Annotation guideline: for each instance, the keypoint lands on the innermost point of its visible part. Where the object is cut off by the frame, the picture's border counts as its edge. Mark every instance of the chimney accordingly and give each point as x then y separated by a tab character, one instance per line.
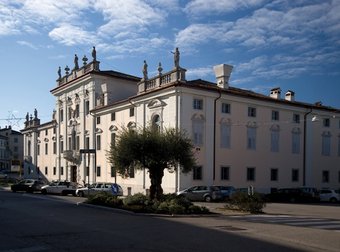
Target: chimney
275	93
290	95
222	73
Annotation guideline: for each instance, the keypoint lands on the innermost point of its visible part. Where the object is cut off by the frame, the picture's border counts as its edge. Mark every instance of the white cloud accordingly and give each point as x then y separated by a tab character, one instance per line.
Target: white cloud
200	72
28	44
72	35
203	7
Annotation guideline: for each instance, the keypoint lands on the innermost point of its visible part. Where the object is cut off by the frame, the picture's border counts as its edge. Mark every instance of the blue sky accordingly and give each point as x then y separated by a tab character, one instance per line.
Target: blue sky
294	45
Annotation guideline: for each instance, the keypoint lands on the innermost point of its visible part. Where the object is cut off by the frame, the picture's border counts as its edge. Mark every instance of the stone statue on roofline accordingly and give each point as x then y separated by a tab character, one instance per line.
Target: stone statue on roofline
76	65
35	114
59	73
145	70
176	57
94	54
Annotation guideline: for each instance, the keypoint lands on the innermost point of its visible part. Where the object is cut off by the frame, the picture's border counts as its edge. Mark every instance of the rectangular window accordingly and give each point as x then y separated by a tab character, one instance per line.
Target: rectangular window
87	171
197	173
15	140
296	118
69	113
54	170
113	172
251	138
225	135
326	122
295	143
70	143
198	132
46	148
325	176
295	175
198	104
274	141
98	142
225	172
131	172
61	115
77	143
113	138
274	174
61	146
251	112
98	119
46	132
226	108
54	147
132	112
250	174
87	143
326	145
76	112
61	170
98	171
54	130
46	170
275	115
87	107
113	116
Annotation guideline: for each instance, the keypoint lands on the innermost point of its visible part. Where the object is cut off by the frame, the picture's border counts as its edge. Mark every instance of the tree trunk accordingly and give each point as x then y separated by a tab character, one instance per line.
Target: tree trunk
156	176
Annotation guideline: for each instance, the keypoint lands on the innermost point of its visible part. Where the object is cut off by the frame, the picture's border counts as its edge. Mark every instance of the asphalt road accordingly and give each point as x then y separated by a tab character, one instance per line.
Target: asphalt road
34	222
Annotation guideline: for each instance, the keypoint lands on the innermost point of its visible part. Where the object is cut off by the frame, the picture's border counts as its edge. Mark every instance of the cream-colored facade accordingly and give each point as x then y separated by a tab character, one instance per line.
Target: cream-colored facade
241	138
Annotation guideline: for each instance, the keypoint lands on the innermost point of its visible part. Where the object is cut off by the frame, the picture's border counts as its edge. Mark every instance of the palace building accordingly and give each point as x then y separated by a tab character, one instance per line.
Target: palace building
241	138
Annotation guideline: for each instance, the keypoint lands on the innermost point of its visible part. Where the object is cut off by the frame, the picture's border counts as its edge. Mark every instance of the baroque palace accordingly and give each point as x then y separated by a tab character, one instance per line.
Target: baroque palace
241	138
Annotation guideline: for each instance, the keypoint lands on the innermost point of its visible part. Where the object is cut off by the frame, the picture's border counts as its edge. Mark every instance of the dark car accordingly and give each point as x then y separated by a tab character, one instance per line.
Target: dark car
227	191
292	195
202	193
28	185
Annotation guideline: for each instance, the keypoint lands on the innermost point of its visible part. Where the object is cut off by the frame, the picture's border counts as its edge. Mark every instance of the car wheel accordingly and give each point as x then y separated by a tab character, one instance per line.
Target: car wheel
43	191
207	198
332	200
292	200
63	193
81	194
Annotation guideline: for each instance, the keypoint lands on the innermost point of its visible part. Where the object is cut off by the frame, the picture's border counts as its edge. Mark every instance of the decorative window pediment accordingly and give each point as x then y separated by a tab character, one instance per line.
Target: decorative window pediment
296	130
251	124
131	125
225	121
99	131
275	127
155	103
198	117
326	134
113	128
46	140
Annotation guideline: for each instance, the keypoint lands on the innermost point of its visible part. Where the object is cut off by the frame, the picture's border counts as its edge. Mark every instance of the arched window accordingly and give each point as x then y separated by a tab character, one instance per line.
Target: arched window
156	123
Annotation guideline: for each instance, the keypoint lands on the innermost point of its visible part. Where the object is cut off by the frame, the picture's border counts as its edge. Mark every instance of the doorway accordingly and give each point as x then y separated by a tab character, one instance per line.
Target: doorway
73	173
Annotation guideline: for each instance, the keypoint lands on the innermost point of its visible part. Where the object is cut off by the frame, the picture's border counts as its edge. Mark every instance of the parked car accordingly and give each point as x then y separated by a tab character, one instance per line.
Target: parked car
202	193
3	175
329	195
292	195
111	188
312	192
227	191
59	187
28	185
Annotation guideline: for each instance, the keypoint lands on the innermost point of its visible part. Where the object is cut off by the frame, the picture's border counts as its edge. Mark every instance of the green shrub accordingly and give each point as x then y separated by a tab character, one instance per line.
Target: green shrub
104	199
136	199
248	203
140	203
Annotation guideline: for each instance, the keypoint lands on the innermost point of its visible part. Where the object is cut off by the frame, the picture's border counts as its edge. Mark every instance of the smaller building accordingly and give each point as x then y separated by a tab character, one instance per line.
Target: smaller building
11	149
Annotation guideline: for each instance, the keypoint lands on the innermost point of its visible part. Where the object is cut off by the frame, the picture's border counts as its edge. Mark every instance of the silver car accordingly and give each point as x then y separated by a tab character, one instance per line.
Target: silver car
111	188
202	193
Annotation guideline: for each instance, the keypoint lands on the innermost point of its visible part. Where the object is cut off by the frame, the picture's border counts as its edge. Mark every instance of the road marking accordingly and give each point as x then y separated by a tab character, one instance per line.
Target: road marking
303	221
